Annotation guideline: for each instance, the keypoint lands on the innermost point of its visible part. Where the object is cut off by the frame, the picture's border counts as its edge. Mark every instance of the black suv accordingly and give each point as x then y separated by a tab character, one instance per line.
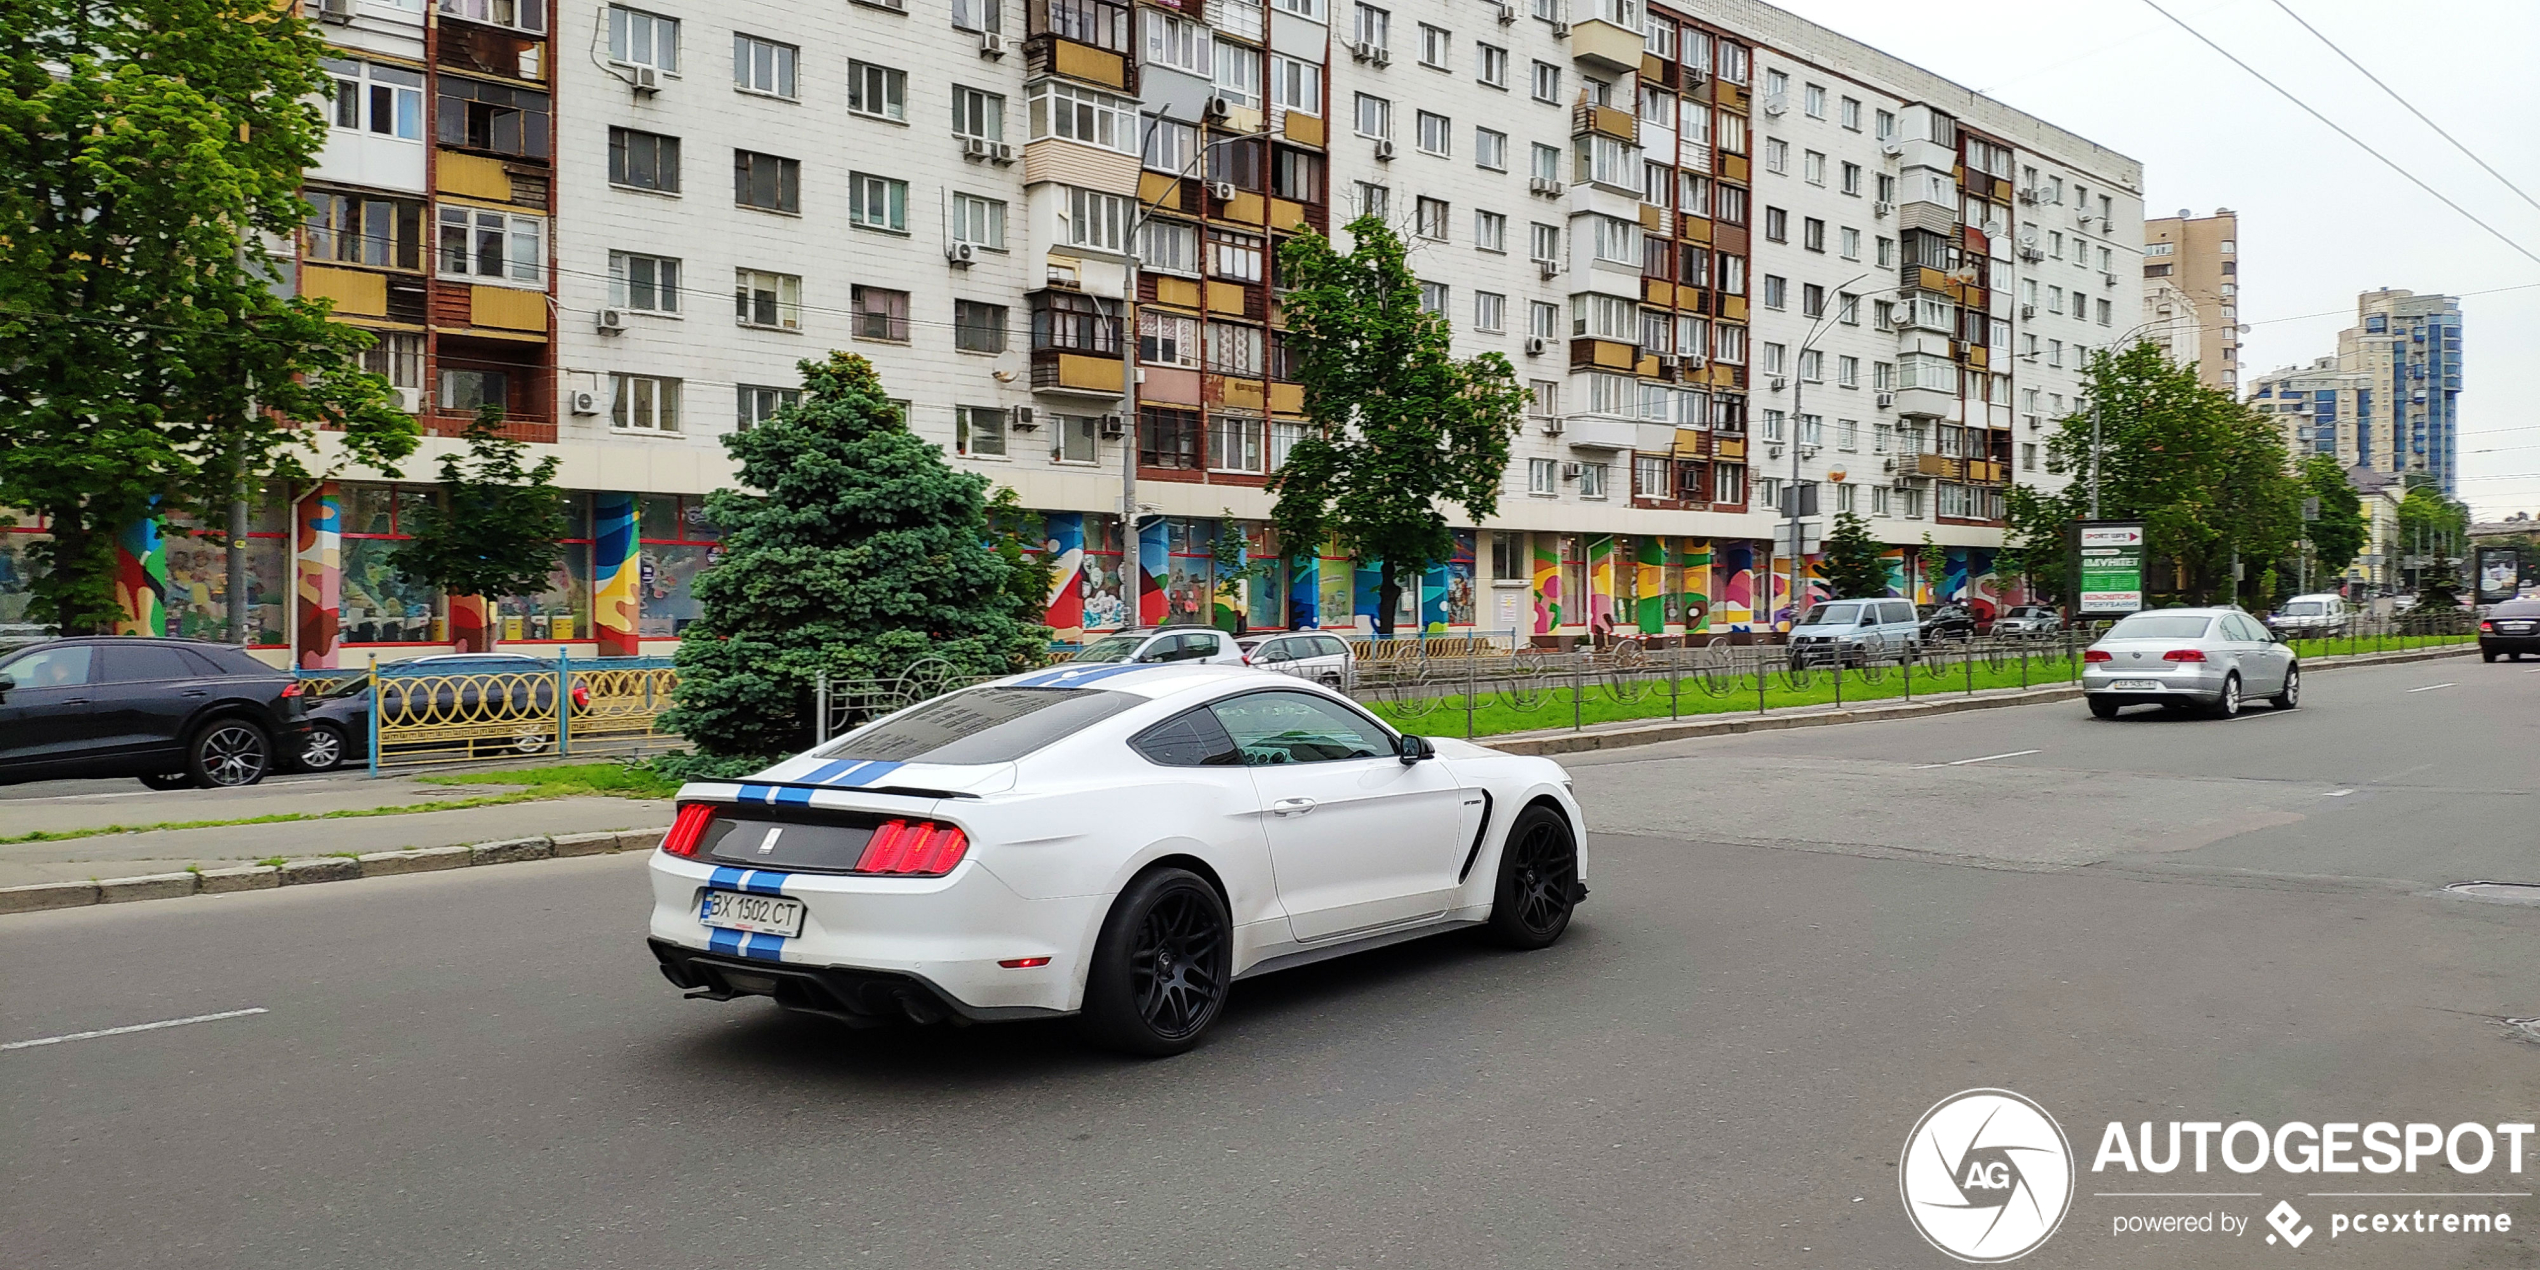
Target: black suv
173	712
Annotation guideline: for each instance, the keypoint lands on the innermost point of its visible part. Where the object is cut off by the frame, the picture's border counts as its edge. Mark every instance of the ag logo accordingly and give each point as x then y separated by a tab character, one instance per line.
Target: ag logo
1986	1175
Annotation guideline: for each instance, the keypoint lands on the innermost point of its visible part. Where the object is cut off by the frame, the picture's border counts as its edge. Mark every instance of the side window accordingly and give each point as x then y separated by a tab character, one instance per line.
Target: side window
143	663
1204	645
64	667
1183	647
1160	648
1331	646
1276	652
1273	728
1193	738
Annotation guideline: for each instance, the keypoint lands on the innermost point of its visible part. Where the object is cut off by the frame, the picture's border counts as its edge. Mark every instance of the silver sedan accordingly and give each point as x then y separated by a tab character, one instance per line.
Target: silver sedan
2212	659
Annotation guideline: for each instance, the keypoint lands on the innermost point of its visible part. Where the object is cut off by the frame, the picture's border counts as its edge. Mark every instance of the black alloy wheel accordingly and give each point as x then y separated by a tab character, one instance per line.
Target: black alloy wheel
1161	966
228	754
1538	881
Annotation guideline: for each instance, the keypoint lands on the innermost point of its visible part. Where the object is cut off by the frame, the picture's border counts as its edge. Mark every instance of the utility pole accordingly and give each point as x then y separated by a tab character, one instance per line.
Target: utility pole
1798	396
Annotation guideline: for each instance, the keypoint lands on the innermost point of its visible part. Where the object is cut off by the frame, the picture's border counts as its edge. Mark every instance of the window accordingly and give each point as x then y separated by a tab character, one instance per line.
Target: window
979	430
519	15
1101	23
1728	482
1771	359
878	91
1285	434
1491	65
978	221
1730	203
1847	372
364	230
1096	220
877	202
1296	85
1490	311
1436	134
1433	298
976	15
766	182
1374	200
643	160
1235	441
1776	155
1060	109
1170	146
757	405
1851	116
637	38
1234	349
1812	300
644	403
1733	275
1776	83
478	245
1657	183
1233	256
880	314
1617	240
1177	42
1076	321
1167	339
977	327
1238	77
1547	83
1547	162
763	66
1812	234
1657	335
1371	25
1847	434
1812	168
1168	438
1591	480
1886	253
1490	149
471	390
1851	241
1436	46
1490	231
1776	224
1296	174
1543	321
1732	134
1076	438
1608	161
1543	477
1604	317
383	100
1883	376
1651	477
647	284
493	117
2105	312
1775	290
1375	116
1166	246
978	114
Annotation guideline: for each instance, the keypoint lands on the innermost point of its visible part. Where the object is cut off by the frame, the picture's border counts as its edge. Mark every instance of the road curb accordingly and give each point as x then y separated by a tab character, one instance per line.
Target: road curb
1625	737
46	896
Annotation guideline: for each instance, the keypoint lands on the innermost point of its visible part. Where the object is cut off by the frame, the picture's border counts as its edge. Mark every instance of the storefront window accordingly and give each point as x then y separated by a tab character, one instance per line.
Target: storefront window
1106	587
1190	581
678	544
17	574
381	605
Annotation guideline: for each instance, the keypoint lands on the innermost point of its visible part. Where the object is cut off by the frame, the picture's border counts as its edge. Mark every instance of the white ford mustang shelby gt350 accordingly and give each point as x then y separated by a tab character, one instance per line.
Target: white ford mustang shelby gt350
1120	842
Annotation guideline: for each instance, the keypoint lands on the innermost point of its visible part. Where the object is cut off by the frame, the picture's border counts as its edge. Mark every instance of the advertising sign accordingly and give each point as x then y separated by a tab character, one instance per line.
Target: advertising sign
2111	569
2499	574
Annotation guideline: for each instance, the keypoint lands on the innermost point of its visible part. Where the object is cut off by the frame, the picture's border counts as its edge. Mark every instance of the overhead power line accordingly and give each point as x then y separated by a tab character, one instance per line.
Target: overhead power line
2411	106
2386	160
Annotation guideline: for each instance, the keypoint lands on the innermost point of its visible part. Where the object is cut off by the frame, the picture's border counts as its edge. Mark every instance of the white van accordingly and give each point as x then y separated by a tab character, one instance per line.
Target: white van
1855	632
2324	613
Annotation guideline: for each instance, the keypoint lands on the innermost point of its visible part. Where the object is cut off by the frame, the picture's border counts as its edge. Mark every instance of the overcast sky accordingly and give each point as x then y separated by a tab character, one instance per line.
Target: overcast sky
2320	219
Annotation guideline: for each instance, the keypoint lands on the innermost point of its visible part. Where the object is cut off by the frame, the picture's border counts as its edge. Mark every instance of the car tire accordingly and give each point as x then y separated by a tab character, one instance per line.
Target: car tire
1538	884
323	751
2227	706
1169	921
2102	708
229	754
169	780
2487	656
2291	697
1331	681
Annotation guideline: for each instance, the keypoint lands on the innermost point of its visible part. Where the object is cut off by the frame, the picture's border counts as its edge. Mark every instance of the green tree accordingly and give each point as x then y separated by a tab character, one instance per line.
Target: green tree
2337	534
1855	563
860	554
493	528
1935	562
1399	426
2433	527
151	153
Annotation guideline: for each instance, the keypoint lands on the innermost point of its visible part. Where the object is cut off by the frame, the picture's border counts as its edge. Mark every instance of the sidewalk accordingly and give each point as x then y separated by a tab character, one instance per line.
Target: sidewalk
110	855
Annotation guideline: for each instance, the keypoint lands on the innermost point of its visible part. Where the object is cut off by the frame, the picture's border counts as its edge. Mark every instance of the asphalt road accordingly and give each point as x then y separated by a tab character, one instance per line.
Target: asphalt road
2147	919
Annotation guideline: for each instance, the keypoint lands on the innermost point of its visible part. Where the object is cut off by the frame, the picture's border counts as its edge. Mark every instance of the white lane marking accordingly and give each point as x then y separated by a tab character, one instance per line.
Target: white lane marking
1986	759
2337	793
137	1027
2432	687
2172	1194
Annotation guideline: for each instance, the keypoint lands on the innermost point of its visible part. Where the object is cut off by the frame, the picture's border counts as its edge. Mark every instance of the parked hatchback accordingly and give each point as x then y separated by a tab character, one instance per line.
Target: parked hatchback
1854	632
2212	659
173	712
1325	659
1165	644
2028	620
1946	621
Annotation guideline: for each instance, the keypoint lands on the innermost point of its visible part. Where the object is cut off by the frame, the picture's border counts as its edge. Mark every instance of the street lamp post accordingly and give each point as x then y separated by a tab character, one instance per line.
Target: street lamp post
1798	396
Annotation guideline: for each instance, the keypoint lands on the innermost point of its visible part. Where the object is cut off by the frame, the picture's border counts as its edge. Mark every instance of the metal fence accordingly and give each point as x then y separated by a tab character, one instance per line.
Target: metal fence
419	714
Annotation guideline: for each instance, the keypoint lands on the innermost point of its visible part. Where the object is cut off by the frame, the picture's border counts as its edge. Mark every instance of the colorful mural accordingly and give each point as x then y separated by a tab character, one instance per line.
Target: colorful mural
1063	546
1734	575
1153	563
1548	599
1305	594
141	580
1695	587
1603	601
318	575
1334	576
616	571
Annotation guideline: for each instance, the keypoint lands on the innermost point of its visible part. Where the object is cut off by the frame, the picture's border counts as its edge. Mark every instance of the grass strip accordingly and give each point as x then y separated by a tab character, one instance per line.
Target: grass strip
617	780
579	780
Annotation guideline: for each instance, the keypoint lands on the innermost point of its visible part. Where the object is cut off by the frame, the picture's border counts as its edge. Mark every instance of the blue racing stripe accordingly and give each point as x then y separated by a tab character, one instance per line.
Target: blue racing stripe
725	941
822	774
867	775
726	878
1075	676
756	794
792	796
764	947
762	881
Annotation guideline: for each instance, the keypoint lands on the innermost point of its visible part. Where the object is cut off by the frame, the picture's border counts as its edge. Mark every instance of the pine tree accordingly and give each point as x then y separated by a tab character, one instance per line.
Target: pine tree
1855	563
860	553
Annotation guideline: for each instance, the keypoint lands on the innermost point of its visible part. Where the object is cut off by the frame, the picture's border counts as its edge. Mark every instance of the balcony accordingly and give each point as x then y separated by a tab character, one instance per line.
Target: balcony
1085	374
1600	432
1607	120
1600	41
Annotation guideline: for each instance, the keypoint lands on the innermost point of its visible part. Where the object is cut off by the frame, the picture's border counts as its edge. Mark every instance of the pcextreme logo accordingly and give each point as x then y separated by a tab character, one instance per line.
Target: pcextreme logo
1986	1175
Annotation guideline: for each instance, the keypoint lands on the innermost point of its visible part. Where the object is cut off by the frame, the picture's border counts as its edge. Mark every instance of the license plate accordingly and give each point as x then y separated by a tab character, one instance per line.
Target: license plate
2135	685
2514	628
757	914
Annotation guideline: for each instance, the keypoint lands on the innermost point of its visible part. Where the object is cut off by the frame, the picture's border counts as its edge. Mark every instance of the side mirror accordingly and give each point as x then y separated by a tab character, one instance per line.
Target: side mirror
1416	748
7	683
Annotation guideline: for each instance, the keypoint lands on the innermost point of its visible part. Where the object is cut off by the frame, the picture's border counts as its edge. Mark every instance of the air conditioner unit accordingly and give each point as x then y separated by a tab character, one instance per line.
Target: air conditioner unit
1893	149
410	400
1552	425
1224	190
645	79
1561	30
1666	363
991	44
1507	14
1023	419
1905	293
1888	464
1384	150
339	12
2028	310
977	147
611	321
2031	254
1111	427
1219	108
585	403
1002	154
1695	77
1363	51
2029	195
1882	210
1780	382
1570	471
959	255
1536	345
2108	279
1887	400
1550	269
1543	185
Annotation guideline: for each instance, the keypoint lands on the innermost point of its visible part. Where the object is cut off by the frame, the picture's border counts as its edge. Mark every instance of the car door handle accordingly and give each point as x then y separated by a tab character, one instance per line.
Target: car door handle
193	692
1291	806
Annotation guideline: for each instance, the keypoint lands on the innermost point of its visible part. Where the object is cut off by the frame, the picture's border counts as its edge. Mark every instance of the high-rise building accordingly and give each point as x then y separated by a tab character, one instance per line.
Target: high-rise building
2322	409
1734	255
2388	401
2198	259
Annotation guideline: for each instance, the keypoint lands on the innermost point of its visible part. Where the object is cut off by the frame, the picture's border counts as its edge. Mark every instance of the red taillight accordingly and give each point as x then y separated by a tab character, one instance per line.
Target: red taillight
581	696
2184	654
913	848
688	830
293	688
2484	626
1024	963
2094	655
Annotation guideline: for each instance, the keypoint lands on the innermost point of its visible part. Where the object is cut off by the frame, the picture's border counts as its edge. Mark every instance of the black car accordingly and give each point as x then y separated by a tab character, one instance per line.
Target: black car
2512	628
173	712
1945	621
455	688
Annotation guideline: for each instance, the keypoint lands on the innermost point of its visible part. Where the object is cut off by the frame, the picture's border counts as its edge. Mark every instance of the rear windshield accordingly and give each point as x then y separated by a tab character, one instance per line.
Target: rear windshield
2160	626
2305	608
982	725
2516	608
1833	615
